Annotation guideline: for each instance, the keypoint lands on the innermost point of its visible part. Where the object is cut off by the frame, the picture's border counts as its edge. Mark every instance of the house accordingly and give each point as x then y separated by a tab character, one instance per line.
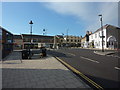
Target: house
85	40
111	38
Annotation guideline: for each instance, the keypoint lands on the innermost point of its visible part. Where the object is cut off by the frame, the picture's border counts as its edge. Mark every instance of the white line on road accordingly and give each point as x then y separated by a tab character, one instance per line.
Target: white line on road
71	54
117	68
89	59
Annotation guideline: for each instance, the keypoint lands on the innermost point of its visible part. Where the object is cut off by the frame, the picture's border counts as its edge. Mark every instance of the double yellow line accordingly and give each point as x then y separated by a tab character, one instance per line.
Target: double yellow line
79	73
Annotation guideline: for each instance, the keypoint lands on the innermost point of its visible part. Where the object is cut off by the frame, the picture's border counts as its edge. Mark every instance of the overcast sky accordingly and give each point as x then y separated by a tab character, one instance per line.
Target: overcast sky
58	17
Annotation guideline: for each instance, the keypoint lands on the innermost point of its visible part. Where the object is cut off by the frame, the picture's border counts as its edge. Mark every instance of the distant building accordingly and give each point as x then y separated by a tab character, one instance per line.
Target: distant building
85	40
111	37
23	41
58	41
71	41
6	42
18	42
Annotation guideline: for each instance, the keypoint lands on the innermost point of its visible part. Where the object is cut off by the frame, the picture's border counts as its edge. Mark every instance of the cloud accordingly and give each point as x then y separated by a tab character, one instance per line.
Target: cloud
88	12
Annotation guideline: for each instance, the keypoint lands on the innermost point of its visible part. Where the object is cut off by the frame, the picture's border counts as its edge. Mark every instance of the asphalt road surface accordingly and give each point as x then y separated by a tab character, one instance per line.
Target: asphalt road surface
101	69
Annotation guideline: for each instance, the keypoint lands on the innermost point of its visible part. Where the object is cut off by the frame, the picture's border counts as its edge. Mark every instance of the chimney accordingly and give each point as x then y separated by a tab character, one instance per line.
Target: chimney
87	32
90	32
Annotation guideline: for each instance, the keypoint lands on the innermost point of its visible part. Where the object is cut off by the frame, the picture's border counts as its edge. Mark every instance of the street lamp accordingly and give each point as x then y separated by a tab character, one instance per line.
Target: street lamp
44	31
102	31
31	31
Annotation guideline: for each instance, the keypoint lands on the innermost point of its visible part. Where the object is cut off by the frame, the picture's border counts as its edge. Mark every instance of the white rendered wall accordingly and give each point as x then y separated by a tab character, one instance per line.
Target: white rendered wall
97	40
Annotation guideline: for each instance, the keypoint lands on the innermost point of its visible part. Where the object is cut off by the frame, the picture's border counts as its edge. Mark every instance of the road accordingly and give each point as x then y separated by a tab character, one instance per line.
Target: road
101	69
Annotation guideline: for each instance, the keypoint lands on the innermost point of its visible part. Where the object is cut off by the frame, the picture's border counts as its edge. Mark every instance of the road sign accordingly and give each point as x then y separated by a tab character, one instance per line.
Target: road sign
102	36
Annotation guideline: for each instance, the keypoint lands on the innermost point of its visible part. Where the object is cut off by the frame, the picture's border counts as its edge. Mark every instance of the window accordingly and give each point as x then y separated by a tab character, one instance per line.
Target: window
99	34
34	40
103	42
91	37
99	43
67	40
95	35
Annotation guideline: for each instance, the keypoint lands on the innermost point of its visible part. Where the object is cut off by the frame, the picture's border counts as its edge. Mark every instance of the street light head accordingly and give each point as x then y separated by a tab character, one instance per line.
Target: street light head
31	22
100	15
44	30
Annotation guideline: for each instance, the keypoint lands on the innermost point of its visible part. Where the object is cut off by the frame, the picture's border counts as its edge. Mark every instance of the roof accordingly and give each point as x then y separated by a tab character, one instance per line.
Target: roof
17	36
5	30
104	27
36	36
60	36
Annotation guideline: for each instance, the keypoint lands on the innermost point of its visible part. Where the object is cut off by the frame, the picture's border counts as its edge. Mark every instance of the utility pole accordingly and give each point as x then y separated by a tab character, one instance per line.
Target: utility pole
54	46
44	31
102	32
31	31
67	37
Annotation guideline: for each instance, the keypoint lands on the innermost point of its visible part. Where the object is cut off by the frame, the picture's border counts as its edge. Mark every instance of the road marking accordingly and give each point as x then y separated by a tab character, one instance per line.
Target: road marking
71	54
81	74
117	68
89	59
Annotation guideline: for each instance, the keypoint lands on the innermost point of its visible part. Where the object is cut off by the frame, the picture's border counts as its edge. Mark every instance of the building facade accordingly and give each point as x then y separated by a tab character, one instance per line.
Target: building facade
18	42
6	42
0	44
71	41
85	40
25	41
110	40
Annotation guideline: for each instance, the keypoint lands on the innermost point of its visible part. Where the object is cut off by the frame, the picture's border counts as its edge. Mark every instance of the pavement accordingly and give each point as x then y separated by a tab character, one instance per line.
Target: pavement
37	72
104	53
113	53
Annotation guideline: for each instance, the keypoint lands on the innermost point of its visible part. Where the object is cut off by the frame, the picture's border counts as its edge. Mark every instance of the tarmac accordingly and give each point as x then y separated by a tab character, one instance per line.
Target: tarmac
37	72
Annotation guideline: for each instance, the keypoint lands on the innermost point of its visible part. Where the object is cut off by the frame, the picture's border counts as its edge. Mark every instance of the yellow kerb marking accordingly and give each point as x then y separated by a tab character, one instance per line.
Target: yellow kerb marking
82	75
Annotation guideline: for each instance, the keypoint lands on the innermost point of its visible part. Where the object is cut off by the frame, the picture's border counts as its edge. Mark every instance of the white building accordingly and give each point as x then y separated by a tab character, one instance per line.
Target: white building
111	39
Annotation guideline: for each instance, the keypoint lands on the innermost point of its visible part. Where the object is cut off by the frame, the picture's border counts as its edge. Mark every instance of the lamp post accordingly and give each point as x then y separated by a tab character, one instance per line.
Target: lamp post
54	46
67	37
102	31
31	32
44	31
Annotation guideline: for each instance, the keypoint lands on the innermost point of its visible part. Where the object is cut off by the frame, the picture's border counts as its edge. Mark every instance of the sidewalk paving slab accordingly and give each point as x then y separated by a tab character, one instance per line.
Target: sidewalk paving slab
44	72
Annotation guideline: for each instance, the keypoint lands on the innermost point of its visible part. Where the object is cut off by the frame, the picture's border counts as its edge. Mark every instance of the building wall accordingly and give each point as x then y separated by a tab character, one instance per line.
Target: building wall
7	42
0	44
97	41
37	40
18	44
115	32
83	41
71	40
107	32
